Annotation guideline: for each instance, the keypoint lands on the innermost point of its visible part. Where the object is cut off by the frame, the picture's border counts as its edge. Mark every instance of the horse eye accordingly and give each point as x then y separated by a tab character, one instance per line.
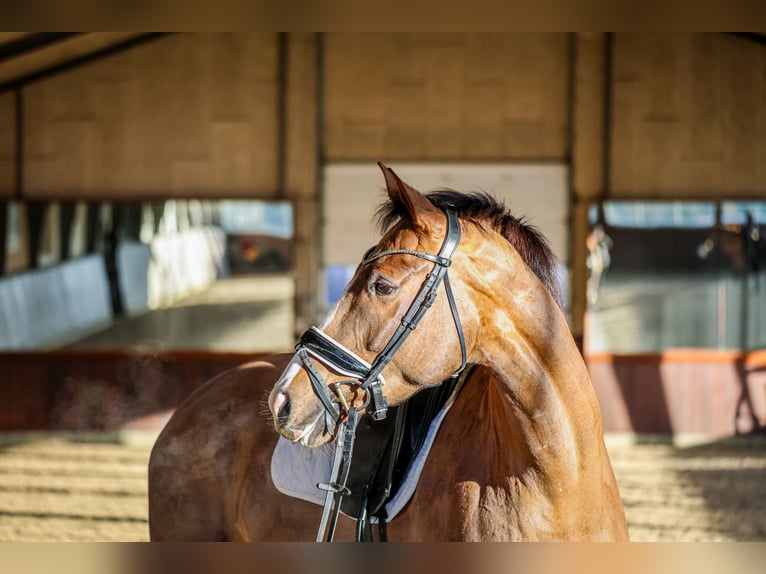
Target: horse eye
382	288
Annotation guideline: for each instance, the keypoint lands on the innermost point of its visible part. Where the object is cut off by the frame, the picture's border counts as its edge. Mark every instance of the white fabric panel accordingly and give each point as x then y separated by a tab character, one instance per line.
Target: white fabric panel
353	191
55	305
169	268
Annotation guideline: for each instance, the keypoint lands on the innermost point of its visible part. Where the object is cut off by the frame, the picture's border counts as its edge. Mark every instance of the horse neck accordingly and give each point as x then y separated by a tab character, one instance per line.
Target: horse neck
540	381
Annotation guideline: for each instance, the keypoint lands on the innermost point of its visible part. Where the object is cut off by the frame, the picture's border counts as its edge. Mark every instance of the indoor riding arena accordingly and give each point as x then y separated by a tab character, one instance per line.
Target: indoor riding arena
176	205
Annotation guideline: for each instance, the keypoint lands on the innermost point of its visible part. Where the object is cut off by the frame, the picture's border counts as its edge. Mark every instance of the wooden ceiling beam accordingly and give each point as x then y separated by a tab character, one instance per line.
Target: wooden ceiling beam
6	37
16	47
63	54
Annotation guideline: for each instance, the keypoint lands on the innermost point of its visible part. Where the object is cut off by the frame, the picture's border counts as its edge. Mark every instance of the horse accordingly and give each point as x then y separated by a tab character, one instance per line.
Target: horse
519	456
598	260
742	246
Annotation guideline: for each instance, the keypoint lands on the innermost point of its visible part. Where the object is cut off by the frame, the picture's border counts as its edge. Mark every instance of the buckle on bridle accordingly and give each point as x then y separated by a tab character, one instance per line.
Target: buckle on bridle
379	403
341	398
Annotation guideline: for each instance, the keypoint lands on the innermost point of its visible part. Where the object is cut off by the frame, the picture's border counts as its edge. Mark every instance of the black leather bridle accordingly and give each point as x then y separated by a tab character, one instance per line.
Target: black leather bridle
365	376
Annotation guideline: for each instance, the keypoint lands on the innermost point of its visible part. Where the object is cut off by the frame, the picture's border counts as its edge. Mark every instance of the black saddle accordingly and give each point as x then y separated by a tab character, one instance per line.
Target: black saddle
383	453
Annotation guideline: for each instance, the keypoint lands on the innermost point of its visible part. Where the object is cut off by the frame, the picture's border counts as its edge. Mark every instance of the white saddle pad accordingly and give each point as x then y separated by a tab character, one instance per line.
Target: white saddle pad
296	469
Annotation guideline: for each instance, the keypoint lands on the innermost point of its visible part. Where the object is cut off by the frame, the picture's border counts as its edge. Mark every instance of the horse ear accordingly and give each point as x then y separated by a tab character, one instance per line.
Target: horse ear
416	204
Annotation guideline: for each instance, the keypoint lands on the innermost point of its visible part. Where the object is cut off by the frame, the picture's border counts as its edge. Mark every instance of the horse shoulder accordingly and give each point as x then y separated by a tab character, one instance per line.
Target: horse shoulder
470	488
482	483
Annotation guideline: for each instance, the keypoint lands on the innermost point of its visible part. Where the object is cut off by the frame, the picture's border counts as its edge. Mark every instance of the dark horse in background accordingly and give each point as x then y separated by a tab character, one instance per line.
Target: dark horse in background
743	246
520	454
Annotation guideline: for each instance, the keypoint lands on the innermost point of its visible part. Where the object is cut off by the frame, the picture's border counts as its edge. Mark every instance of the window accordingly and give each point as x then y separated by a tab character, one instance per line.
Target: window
676	274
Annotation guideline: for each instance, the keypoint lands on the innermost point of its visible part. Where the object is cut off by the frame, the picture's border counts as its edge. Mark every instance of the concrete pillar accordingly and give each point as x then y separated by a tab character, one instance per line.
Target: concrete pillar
590	132
3	234
301	148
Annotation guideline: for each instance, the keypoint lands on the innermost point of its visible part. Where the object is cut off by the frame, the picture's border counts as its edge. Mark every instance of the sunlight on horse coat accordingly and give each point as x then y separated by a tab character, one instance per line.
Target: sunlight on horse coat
520	455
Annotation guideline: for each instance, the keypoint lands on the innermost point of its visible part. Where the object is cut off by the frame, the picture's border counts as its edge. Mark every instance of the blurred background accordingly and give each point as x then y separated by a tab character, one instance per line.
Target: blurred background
172	205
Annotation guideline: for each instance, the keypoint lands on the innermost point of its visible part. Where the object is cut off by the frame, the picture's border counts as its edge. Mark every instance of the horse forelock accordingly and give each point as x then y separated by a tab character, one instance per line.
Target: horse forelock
483	209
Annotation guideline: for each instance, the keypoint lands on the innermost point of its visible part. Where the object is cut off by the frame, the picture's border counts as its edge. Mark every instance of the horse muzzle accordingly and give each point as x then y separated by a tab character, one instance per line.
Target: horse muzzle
297	415
311	430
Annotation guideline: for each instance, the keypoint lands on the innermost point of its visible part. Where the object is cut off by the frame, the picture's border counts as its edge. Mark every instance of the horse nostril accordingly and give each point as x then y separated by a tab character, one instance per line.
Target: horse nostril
282	408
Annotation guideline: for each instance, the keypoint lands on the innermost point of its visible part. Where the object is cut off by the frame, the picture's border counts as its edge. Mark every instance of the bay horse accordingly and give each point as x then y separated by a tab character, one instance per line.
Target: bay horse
743	246
519	456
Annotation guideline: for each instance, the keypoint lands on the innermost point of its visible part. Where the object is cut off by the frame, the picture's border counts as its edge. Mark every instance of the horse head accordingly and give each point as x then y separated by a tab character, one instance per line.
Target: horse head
370	313
428	265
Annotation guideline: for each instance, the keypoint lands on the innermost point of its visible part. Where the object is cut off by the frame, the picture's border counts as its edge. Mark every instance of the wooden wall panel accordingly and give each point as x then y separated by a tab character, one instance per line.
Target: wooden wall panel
186	115
444	96
7	144
688	116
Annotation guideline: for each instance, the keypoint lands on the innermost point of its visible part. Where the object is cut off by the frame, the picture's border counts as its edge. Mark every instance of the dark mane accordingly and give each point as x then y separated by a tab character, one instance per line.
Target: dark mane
483	209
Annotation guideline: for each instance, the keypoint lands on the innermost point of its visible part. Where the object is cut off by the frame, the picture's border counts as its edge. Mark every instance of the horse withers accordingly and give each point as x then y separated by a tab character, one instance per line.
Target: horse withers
519	456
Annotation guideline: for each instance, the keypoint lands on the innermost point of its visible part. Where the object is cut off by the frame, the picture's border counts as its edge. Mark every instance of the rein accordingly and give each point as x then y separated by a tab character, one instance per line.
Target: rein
365	376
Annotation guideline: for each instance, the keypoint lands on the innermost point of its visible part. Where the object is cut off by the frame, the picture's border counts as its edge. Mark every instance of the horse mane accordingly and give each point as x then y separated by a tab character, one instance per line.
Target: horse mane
483	209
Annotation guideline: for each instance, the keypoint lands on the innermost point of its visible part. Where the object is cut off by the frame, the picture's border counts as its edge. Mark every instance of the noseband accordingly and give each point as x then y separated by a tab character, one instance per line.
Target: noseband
365	376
